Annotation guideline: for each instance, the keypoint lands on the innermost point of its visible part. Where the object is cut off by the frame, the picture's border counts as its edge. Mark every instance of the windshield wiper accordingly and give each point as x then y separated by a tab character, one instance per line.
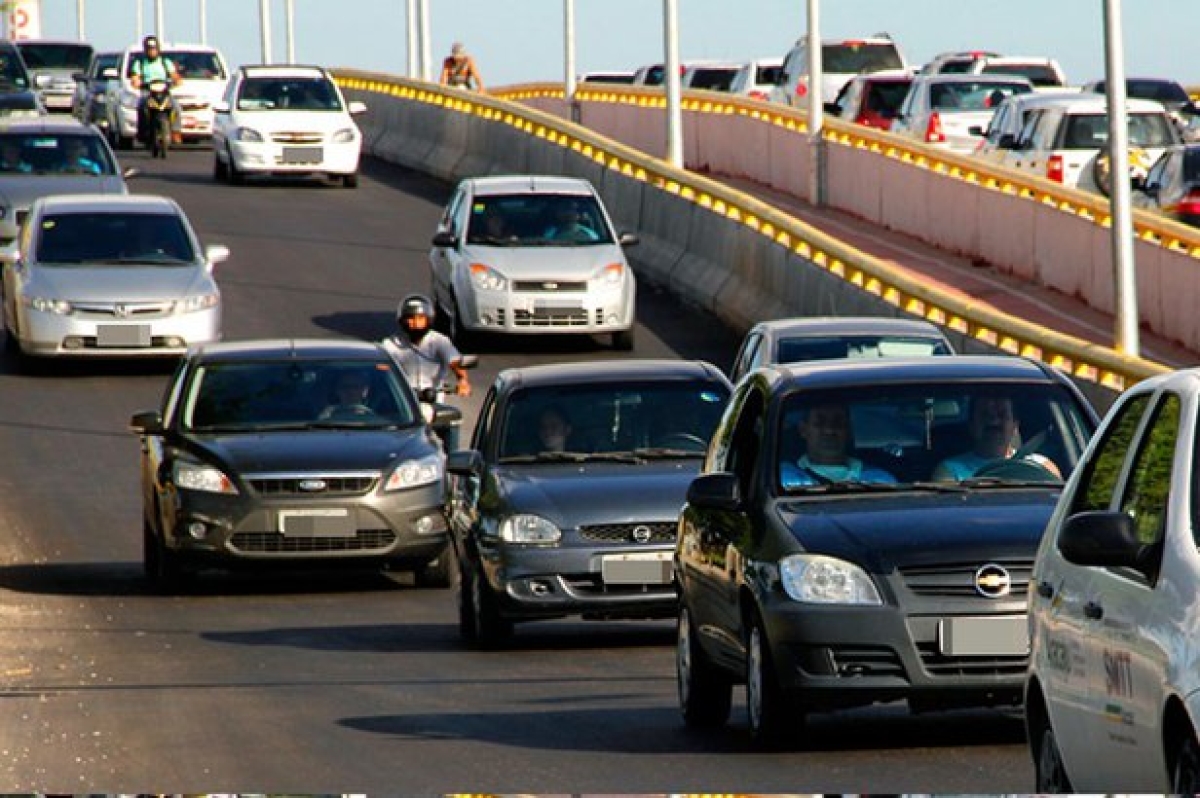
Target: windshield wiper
847	486
999	482
666	452
573	457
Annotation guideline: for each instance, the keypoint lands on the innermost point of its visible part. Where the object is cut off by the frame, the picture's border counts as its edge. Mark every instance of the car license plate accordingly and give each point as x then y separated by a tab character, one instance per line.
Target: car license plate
649	568
303	154
320	522
123	335
984	637
557	304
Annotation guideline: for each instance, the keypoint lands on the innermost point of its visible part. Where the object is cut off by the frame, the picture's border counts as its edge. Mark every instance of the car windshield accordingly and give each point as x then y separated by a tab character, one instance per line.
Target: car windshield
288	94
47	55
296	394
796	350
114	239
80	153
1090	131
633	420
973	95
523	220
854	57
941	436
106	61
12	70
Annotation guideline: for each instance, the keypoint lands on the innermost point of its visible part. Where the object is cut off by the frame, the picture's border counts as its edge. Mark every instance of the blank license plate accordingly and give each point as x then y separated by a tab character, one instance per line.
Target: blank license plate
984	637
123	335
651	568
333	522
303	154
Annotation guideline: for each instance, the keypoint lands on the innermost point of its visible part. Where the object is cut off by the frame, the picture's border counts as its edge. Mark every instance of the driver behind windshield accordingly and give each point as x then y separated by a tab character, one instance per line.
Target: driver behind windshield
995	435
827	435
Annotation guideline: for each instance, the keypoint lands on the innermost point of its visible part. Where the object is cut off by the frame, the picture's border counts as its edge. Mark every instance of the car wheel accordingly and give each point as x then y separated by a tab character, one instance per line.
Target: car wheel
774	722
491	629
1050	775
236	176
350	180
220	170
466	606
463	338
622	340
161	565
1185	775
438	572
705	693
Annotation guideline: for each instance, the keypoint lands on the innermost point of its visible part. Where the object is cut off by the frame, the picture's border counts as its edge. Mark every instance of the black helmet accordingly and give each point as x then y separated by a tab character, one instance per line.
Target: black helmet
414	305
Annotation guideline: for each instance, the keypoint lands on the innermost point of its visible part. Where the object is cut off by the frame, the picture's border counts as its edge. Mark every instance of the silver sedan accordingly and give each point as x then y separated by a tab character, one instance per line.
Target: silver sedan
110	275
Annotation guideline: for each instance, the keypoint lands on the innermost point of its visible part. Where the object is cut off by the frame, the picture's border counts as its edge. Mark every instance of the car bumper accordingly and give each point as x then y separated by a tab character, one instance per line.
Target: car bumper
274	158
545	582
51	335
404	527
594	311
833	657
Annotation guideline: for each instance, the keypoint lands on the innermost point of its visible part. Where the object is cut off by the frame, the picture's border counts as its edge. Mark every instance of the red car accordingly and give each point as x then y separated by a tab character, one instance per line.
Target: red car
872	98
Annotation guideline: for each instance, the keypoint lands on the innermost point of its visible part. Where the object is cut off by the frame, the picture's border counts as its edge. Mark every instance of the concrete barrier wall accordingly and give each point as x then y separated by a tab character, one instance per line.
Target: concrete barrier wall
722	250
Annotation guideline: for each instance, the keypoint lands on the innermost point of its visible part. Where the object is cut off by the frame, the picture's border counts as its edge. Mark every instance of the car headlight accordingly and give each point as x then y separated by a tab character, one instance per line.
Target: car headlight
414	473
247	134
487	278
193	304
816	579
60	307
612	274
527	528
345	136
195	476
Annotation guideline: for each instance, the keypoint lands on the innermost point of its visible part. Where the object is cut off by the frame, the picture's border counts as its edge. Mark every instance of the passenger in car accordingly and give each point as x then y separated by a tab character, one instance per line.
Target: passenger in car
828	438
995	434
554	428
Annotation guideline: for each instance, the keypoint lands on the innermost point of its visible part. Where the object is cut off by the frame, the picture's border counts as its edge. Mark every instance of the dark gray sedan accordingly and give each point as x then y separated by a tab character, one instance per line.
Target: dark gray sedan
566	502
291	452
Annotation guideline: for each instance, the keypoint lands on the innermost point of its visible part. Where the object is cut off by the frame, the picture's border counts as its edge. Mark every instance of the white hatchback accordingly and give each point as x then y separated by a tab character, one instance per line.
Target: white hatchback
279	120
1112	698
531	254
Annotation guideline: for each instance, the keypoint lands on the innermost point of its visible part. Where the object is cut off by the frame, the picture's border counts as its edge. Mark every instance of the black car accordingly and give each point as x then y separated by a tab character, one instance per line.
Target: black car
566	502
897	570
291	452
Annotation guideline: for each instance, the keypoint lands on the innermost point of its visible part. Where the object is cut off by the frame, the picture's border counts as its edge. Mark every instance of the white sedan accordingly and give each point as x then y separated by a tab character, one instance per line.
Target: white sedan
286	120
1112	698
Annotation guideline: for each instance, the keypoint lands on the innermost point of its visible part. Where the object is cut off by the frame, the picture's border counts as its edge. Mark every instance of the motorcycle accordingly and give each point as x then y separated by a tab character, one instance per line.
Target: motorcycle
157	116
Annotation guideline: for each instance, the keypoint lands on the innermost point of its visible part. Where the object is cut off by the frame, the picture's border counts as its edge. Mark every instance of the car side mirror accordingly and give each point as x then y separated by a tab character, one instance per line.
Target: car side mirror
79	77
445	416
445	240
1103	539
629	239
131	172
216	253
146	422
975	130
427	396
356	107
716	491
464	462
833	109
1007	141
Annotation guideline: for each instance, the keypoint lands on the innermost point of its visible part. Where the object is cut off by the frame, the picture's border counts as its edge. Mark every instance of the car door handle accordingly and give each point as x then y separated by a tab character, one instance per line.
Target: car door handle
1045	590
1093	610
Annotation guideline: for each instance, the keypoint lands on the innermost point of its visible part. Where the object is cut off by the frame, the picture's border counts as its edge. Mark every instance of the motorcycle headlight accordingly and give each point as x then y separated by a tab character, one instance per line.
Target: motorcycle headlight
414	474
527	528
60	307
247	134
345	136
816	579
196	303
487	278
199	477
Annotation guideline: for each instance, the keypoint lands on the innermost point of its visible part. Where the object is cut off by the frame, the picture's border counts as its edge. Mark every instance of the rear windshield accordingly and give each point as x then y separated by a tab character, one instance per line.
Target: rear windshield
713	78
1164	91
1090	131
795	350
973	95
768	75
854	57
1038	74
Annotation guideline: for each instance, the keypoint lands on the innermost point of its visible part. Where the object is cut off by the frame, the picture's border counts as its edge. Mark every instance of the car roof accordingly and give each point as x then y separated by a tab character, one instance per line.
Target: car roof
958	77
282	71
289	348
46	124
848	325
849	373
130	203
597	371
529	184
56	42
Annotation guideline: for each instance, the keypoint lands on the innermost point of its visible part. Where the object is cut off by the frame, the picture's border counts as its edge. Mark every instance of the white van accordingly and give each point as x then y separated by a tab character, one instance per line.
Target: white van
204	75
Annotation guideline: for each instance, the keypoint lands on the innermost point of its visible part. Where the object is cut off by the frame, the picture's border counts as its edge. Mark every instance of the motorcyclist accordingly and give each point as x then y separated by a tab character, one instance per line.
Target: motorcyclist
425	355
152	66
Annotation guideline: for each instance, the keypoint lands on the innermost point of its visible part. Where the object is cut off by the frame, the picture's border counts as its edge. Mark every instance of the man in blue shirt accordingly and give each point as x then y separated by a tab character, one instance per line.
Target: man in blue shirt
827	436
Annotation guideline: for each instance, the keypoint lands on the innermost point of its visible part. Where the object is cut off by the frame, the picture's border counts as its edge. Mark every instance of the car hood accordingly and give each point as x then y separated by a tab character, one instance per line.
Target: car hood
574	495
120	284
294	121
545	263
313	451
905	530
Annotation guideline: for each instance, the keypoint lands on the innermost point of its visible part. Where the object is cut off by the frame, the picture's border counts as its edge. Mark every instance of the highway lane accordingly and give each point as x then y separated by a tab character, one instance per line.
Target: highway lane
353	683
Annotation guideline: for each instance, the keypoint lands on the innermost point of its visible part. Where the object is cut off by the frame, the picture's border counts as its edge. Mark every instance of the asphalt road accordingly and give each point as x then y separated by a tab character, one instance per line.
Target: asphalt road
314	683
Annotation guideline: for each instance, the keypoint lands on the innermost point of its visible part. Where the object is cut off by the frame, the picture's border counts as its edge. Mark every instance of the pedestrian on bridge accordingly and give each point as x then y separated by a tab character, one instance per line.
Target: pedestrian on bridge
459	69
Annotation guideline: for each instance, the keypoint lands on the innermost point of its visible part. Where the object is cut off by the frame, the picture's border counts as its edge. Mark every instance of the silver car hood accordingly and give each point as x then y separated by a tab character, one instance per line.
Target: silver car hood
120	283
546	263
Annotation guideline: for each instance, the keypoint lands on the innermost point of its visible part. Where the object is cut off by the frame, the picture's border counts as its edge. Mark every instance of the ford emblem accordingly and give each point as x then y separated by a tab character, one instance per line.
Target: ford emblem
312	485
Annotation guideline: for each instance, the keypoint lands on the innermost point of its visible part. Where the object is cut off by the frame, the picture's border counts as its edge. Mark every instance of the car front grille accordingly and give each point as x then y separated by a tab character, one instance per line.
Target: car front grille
124	310
366	540
659	532
957	580
356	485
538	286
941	665
858	662
555	317
295	137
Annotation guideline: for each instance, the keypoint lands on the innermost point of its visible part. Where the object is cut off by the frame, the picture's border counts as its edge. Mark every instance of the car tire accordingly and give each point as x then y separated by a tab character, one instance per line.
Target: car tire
622	340
464	340
1050	775
1185	766
490	629
466	607
775	722
220	170
350	180
438	572
161	565
705	693
236	176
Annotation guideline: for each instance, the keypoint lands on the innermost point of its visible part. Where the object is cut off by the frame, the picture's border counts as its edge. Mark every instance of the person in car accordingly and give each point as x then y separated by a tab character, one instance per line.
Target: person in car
11	159
570	225
995	433
351	394
76	158
554	428
459	69
827	435
426	356
152	66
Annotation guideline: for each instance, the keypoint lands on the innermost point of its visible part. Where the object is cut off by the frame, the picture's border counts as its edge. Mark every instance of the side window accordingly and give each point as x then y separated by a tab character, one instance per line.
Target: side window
1026	134
451	215
1150	479
747	356
1103	470
483	427
746	443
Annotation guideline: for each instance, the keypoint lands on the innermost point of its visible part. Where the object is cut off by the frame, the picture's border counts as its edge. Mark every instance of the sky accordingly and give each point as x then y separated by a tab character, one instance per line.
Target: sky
521	41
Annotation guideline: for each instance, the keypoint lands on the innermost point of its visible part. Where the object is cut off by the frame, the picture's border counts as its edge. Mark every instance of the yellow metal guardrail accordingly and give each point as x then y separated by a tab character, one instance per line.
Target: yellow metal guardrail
1081	359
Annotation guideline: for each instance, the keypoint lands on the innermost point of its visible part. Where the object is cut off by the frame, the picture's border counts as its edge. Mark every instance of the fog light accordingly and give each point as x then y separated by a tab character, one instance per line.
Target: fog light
612	318
429	524
73	342
540	588
175	342
198	530
487	319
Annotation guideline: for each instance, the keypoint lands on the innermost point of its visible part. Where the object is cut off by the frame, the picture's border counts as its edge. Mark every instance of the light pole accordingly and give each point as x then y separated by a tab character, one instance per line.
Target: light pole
289	8
816	105
1125	281
410	27
203	21
264	29
160	22
426	56
80	15
140	19
672	83
569	50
